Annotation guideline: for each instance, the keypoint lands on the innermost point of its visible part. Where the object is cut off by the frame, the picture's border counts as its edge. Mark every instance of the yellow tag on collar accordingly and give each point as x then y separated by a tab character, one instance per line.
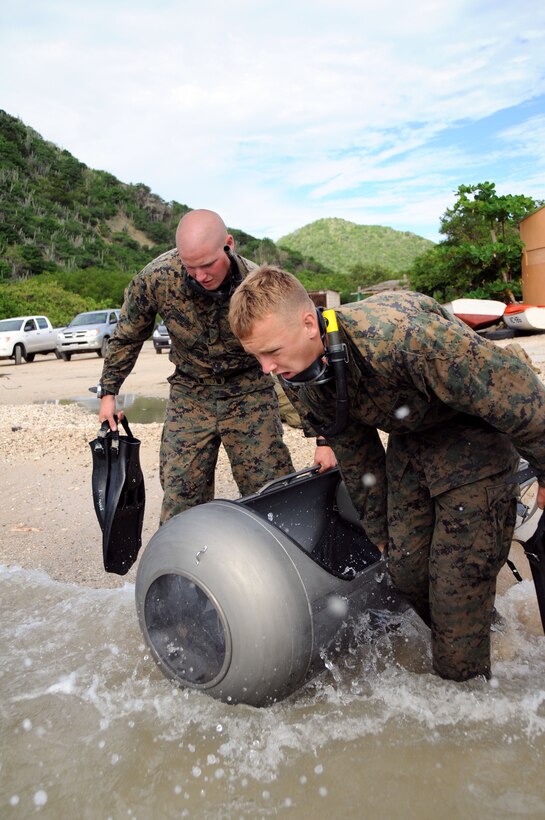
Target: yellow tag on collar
330	321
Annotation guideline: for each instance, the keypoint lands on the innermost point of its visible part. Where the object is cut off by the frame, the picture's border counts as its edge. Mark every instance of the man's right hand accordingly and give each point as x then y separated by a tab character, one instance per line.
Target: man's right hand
107	412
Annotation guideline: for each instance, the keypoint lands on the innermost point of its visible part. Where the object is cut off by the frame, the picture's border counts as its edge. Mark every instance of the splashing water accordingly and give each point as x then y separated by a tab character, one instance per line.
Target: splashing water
90	728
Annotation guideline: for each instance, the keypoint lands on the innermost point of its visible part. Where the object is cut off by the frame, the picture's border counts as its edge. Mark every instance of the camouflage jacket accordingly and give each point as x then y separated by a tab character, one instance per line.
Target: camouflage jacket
203	348
450	399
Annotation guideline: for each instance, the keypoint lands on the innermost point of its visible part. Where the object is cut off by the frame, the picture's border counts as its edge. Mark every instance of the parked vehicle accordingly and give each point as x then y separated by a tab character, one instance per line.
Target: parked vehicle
87	333
161	338
24	336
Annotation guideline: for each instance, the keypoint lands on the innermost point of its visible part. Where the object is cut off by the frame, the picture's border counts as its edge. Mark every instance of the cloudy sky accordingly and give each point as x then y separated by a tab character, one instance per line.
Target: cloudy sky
279	113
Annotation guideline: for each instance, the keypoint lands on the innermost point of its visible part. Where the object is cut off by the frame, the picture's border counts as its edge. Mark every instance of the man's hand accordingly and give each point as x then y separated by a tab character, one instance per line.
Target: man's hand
106	411
325	457
541	498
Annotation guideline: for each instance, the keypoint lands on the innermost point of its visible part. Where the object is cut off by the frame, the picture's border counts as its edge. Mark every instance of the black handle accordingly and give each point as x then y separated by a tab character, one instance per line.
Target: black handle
287	479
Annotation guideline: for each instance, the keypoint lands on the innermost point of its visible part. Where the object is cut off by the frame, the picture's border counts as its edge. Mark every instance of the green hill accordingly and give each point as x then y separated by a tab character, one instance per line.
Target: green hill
344	247
56	214
71	237
83	232
60	215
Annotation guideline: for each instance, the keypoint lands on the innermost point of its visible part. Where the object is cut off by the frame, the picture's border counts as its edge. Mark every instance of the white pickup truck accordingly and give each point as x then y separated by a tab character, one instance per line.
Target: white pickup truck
24	336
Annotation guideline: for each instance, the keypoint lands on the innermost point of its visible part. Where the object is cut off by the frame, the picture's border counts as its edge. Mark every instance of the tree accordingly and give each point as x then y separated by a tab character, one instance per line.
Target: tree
39	295
482	250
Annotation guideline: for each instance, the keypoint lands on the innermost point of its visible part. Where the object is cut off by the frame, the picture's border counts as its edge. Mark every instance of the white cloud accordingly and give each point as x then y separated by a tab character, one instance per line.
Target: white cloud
280	113
527	138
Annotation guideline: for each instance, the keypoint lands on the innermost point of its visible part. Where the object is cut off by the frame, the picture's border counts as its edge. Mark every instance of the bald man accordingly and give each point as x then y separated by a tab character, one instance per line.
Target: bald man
218	393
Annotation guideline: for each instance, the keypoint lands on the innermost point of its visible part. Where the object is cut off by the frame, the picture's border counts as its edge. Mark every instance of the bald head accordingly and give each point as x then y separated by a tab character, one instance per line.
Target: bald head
198	229
201	237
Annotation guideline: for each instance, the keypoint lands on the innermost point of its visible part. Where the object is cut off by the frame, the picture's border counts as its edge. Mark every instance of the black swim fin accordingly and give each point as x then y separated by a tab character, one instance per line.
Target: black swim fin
118	496
534	548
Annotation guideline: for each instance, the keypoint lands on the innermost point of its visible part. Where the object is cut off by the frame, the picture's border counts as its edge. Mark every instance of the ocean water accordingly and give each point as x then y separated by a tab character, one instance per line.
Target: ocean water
91	729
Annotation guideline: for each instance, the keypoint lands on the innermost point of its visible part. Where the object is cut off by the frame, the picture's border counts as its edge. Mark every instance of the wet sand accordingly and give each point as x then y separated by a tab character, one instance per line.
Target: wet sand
48	520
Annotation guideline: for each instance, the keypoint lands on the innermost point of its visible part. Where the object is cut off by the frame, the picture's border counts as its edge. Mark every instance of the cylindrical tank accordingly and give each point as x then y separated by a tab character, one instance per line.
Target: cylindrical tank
240	598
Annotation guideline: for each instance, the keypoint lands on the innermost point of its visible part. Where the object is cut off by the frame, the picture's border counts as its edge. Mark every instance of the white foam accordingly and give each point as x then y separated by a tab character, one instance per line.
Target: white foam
83	646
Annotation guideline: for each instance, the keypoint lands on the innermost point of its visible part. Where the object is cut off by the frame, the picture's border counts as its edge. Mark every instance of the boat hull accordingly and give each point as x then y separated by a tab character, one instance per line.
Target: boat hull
529	318
477	313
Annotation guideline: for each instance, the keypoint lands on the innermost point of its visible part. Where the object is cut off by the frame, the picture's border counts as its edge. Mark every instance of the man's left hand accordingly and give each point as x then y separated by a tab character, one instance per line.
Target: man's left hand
541	498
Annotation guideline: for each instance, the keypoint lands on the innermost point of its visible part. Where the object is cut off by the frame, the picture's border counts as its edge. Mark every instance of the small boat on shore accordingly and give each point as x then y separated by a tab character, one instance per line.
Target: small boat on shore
529	318
477	313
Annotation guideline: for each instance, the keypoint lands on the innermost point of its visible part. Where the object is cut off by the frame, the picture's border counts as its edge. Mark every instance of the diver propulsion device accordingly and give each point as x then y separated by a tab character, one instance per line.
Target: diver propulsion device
118	495
244	599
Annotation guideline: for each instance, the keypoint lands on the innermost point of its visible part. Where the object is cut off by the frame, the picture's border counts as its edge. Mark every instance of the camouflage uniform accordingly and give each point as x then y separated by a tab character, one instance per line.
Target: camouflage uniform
218	393
455	406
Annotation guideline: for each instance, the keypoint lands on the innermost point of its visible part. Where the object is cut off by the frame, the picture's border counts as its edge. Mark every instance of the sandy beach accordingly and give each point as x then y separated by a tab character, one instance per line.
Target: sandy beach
48	520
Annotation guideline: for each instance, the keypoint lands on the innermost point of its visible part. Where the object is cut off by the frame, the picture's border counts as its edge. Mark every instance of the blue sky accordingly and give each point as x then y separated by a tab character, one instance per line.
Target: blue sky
279	113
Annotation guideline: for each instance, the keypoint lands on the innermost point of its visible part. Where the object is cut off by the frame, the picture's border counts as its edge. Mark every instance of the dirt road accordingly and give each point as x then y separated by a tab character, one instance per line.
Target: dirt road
49	378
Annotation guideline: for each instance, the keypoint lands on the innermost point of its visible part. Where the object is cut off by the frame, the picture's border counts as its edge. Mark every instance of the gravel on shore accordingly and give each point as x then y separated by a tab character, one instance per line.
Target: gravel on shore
48	520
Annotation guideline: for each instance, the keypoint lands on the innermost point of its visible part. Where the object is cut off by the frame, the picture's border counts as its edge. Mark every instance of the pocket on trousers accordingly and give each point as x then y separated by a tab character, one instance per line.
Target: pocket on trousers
466	533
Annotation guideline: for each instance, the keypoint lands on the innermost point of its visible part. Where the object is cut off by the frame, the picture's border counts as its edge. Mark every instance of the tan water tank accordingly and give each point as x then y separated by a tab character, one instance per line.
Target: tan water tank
532	233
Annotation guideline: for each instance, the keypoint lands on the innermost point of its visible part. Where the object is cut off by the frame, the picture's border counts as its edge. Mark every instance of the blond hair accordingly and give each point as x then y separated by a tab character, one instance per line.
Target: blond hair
266	290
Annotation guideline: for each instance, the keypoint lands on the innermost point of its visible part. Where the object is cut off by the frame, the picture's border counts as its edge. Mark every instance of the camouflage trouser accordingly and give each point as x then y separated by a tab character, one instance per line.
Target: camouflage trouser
444	554
196	422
